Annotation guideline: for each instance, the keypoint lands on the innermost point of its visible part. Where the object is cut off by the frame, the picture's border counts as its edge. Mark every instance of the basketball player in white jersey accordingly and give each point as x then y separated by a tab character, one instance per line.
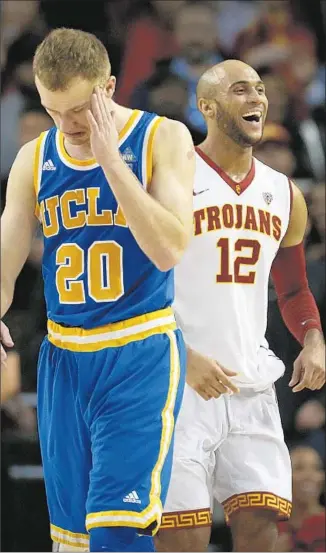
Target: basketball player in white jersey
249	221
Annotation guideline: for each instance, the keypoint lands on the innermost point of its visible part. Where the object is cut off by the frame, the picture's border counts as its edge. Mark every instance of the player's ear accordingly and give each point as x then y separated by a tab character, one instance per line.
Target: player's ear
207	108
110	86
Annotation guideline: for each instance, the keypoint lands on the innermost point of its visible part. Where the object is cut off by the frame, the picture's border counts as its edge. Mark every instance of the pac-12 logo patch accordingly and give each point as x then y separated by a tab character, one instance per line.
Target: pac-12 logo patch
268	197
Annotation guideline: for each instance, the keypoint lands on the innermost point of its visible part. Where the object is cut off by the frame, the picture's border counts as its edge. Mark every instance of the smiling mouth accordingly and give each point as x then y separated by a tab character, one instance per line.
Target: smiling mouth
253	117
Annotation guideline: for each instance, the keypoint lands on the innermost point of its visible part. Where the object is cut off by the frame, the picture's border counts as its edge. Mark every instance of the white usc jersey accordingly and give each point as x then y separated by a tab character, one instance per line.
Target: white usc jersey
222	280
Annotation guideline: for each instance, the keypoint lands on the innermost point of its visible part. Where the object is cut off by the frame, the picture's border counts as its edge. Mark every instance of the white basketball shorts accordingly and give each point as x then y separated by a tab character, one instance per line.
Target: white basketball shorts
231	449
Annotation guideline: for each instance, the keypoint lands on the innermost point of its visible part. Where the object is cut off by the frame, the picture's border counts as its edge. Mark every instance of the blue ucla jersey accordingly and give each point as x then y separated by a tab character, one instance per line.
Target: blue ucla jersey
94	271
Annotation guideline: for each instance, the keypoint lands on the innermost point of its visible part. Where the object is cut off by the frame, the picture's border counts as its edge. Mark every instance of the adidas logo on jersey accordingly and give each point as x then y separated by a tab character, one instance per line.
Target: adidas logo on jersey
131	498
49	165
128	156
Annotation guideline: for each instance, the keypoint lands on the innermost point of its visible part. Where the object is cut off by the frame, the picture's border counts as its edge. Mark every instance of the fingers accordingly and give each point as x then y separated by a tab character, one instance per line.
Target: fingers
296	375
3	356
5	336
91	121
97	109
317	378
106	113
224	380
304	382
208	393
104	105
227	371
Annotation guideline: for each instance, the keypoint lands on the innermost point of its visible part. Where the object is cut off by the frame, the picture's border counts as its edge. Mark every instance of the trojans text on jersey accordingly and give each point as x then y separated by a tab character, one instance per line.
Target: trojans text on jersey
237	216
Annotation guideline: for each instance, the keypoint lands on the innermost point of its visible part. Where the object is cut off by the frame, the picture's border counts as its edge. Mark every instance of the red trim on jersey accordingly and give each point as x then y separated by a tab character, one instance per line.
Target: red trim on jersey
296	302
237	187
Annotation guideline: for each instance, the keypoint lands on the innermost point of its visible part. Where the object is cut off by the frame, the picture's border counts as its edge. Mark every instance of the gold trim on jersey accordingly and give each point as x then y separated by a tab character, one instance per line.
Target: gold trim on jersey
37	169
73	160
147	155
112	335
92	163
150	517
130	125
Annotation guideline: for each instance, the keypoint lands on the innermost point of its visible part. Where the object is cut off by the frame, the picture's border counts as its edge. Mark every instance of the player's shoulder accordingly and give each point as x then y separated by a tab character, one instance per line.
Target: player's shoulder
172	132
25	157
28	148
263	169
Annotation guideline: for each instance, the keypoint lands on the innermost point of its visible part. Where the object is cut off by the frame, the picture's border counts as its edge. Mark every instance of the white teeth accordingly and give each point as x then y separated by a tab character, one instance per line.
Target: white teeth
257	113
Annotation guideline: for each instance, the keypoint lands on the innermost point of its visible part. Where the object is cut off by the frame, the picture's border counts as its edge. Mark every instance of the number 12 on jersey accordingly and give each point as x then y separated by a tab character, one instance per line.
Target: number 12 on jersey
229	273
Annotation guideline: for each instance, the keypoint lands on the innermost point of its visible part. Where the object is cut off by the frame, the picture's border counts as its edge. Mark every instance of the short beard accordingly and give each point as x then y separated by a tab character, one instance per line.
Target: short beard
229	127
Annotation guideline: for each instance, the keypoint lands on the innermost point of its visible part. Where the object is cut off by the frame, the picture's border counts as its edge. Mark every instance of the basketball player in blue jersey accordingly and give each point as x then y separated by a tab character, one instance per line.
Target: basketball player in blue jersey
112	188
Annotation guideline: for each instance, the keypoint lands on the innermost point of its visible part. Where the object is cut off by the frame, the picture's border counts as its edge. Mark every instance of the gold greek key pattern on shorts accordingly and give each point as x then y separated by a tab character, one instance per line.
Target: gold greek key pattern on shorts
260	500
186	519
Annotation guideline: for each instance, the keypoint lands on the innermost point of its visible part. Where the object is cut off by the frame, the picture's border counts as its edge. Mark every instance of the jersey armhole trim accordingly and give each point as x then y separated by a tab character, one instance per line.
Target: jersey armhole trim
37	169
147	157
291	197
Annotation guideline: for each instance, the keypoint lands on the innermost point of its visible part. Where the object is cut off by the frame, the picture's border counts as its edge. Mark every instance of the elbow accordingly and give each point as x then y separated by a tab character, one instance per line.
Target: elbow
169	259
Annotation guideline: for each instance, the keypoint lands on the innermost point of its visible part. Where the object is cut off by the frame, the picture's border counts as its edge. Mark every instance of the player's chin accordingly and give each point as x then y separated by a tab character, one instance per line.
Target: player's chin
77	138
254	137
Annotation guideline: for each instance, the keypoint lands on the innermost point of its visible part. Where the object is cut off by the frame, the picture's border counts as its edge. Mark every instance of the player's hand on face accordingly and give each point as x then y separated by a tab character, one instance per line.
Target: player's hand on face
104	136
6	340
207	377
309	368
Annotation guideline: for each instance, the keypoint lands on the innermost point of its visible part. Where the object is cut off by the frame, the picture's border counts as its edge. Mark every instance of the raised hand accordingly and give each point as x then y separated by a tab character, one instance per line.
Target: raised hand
104	136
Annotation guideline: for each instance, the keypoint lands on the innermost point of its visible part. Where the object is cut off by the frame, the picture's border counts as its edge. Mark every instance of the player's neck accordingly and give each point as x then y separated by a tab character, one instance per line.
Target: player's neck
235	160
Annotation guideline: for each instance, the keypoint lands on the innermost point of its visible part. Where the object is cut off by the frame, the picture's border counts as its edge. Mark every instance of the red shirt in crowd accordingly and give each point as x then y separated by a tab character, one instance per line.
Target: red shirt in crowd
311	536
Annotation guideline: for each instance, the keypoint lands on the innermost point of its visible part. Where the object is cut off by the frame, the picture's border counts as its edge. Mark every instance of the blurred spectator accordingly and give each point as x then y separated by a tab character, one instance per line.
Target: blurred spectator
310	424
274	149
165	94
317	209
307	131
22	90
232	18
195	34
269	39
149	39
15	21
305	531
33	121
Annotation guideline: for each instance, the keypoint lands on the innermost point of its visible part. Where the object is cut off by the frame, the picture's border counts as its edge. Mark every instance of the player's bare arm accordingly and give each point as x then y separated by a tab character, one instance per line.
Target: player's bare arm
18	225
296	302
160	219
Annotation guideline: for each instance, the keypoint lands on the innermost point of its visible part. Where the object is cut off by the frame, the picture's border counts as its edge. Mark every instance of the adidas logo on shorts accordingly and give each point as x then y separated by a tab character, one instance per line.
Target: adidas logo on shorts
49	165
131	498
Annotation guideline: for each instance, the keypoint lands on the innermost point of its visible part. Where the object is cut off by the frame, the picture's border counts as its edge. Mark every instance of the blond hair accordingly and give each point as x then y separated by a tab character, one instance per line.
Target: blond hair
66	54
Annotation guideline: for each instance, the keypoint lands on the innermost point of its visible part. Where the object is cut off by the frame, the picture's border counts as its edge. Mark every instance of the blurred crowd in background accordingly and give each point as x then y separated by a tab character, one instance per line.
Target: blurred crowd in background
158	50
